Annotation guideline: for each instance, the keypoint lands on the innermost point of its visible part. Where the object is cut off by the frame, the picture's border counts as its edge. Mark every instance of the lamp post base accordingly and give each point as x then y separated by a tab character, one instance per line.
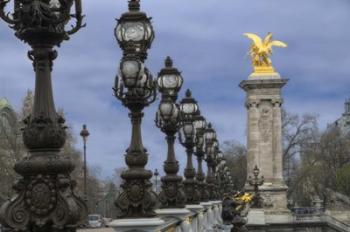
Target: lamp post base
139	224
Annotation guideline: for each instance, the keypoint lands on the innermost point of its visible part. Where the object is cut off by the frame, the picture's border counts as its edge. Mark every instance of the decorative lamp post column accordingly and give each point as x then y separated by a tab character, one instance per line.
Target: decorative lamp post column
210	136
188	109
226	182
135	88
221	168
45	200
215	167
230	187
256	181
156	174
200	125
168	120
85	134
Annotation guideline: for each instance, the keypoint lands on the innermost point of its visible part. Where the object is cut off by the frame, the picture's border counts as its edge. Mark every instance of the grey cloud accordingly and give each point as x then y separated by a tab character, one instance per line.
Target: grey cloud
205	39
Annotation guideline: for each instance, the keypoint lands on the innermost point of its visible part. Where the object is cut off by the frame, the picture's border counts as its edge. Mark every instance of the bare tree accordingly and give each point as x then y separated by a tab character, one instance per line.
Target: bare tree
298	132
236	158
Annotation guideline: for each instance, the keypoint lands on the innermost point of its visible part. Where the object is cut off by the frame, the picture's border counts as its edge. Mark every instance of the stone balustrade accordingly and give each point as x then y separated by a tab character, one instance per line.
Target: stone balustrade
204	217
199	218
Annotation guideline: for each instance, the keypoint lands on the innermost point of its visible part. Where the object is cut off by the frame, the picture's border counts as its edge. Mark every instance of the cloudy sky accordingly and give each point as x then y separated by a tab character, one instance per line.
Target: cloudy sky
204	38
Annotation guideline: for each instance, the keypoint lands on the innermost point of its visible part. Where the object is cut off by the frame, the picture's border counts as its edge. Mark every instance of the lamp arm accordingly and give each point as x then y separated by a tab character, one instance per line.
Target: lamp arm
153	95
78	24
79	18
6	16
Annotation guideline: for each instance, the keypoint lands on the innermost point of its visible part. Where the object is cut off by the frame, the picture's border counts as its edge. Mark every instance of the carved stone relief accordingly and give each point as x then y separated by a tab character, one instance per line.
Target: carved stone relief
265	122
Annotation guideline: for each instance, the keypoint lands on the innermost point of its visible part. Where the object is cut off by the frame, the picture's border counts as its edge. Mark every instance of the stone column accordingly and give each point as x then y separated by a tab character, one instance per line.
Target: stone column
264	136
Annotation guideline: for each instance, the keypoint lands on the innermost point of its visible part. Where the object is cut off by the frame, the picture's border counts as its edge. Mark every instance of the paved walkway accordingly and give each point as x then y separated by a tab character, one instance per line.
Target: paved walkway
97	230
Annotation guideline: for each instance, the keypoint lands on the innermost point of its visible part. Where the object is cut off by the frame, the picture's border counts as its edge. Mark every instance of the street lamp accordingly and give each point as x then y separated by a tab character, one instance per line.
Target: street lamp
134	31
85	134
168	120
135	88
256	181
156	174
215	162
210	136
45	200
200	124
219	174
187	134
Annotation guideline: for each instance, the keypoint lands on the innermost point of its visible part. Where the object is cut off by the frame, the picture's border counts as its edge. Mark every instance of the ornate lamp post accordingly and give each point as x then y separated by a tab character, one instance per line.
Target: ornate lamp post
210	136
45	200
200	125
221	174
215	169
256	182
85	134
135	88
156	174
168	120
188	109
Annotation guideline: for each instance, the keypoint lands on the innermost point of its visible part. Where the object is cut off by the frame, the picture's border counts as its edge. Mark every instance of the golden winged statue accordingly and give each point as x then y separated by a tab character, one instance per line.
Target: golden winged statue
261	50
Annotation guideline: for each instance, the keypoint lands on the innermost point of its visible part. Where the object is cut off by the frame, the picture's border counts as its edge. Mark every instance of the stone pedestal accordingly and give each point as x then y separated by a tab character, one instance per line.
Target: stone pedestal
139	224
256	217
264	142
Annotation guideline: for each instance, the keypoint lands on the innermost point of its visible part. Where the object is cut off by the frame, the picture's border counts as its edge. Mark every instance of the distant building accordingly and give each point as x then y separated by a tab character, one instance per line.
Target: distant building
343	123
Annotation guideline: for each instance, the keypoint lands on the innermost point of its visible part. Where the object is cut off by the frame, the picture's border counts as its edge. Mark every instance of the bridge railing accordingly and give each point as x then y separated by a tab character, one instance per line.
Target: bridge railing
199	220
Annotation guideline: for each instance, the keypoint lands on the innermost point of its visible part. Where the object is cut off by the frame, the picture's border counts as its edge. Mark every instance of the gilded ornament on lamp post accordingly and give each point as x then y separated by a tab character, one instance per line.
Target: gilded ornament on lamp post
168	120
260	52
135	88
45	200
187	133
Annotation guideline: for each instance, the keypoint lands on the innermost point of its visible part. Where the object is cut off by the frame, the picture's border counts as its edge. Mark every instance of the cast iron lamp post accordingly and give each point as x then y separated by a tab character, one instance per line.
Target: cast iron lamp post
135	88
200	124
156	174
45	200
210	136
85	134
221	168
215	166
230	187
168	120
256	181
187	134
